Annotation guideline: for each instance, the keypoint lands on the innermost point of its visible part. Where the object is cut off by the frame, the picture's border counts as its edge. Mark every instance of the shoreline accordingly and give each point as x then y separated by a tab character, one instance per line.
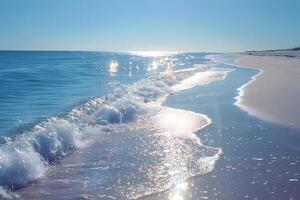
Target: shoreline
248	144
273	93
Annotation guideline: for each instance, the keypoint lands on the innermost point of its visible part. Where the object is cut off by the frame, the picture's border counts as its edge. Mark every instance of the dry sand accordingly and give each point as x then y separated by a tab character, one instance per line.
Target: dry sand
274	94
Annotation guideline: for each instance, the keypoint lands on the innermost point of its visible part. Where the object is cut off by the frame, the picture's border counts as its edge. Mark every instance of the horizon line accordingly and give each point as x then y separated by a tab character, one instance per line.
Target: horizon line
110	51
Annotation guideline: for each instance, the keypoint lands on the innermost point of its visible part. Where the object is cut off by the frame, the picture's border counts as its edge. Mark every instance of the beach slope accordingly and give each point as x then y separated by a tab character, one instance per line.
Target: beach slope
274	94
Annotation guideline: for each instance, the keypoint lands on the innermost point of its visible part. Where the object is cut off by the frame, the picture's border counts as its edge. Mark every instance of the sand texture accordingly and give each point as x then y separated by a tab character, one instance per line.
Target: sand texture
274	95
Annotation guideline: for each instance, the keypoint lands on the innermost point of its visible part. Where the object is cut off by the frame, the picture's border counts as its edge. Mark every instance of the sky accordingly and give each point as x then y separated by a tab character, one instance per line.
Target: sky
149	25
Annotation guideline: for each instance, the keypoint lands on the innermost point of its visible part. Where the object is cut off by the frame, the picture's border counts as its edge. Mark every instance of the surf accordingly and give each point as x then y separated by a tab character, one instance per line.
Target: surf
31	154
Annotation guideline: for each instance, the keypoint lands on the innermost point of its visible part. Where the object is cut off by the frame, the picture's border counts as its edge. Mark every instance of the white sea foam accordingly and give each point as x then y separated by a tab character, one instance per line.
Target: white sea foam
27	158
216	58
4	194
200	78
241	91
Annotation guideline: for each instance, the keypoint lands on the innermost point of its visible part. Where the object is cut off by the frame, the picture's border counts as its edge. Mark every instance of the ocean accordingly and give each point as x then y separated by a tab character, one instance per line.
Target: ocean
102	125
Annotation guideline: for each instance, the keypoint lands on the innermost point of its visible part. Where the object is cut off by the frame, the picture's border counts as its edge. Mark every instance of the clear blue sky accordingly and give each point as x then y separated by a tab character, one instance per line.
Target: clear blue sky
169	25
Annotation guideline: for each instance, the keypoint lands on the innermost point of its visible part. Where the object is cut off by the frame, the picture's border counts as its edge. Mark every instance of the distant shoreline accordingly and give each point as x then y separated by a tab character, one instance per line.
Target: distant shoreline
290	53
274	93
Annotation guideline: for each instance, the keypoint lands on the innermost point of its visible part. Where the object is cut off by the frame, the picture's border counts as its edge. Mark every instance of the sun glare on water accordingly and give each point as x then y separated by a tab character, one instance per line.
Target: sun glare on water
153	53
167	119
179	191
113	67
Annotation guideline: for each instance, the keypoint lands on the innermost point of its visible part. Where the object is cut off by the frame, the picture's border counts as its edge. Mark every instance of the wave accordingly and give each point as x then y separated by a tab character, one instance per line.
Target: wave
27	157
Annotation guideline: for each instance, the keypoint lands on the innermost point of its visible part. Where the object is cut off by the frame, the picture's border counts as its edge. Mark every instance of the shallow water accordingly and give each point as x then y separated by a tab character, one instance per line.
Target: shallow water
260	160
136	159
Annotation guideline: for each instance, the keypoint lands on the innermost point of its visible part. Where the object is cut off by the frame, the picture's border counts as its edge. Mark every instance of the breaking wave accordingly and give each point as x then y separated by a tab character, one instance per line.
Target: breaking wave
27	157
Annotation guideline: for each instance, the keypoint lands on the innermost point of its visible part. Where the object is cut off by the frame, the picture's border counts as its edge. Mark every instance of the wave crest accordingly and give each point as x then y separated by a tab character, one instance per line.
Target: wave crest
28	156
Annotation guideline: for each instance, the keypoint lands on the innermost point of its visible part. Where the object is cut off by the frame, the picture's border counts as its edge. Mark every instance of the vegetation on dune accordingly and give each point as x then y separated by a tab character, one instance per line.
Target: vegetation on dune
296	49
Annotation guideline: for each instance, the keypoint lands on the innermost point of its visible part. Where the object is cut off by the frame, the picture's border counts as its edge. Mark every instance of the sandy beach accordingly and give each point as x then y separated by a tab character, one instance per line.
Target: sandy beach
274	93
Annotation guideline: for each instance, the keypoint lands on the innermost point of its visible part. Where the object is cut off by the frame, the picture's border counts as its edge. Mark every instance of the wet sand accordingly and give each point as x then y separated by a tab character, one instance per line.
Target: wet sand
274	93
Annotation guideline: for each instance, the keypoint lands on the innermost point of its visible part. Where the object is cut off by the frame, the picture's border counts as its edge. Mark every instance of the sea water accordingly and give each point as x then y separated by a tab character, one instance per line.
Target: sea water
56	104
94	125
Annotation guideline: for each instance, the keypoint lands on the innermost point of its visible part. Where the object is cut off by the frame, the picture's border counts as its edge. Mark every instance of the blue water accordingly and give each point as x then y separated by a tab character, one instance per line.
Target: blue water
36	85
55	103
124	126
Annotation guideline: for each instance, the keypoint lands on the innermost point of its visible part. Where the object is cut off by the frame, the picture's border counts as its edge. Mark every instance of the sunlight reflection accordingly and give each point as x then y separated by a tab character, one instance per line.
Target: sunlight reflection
179	123
153	53
113	67
183	155
153	66
178	191
166	62
167	74
130	69
179	127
